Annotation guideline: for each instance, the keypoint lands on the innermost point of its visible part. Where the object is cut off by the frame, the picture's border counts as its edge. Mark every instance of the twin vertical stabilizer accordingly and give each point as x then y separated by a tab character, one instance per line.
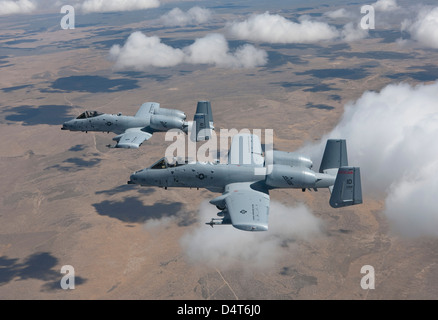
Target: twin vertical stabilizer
202	122
347	189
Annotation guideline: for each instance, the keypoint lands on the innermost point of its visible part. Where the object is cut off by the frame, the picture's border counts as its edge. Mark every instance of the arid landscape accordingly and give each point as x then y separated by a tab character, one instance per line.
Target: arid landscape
64	197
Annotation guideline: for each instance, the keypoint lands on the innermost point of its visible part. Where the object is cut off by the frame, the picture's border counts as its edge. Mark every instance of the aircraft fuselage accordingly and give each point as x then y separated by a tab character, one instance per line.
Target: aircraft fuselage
216	176
106	123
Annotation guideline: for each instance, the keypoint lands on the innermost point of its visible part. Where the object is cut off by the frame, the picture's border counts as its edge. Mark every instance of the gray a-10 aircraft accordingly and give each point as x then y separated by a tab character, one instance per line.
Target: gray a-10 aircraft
247	178
132	131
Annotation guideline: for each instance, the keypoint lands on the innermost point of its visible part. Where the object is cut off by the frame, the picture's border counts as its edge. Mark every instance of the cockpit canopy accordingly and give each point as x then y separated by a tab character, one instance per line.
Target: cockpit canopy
89	114
163	164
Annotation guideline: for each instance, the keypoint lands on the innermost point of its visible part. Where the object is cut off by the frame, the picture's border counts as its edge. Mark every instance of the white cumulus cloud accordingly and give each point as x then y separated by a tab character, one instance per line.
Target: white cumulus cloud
351	32
273	28
213	49
17	7
117	5
391	135
85	6
337	14
385	5
424	28
177	17
141	52
226	247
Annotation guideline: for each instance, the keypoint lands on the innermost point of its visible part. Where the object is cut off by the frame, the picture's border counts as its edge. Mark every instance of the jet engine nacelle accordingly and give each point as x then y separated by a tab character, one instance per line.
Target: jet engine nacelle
170	113
285	176
160	122
292	159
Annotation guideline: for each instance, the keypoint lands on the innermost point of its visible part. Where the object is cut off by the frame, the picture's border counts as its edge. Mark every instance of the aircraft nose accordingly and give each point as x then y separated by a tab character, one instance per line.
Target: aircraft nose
139	177
67	125
133	179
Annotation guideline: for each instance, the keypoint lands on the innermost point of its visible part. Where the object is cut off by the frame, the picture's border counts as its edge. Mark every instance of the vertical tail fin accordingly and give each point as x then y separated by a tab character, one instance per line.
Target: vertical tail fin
347	190
335	155
202	122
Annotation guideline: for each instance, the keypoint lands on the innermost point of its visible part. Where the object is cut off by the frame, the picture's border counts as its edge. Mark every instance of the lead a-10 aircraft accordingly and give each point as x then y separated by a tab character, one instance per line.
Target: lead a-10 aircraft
132	131
247	178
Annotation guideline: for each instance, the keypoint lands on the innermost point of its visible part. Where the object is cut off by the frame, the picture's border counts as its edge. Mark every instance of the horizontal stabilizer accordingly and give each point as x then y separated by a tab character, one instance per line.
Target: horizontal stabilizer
347	190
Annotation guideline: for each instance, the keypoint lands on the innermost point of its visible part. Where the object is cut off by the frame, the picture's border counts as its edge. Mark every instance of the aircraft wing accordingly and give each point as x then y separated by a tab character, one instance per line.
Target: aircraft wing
246	206
132	138
147	108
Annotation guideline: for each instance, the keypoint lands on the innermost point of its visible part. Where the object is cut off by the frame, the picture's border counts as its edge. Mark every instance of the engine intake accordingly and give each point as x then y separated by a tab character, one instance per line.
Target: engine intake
292	159
170	113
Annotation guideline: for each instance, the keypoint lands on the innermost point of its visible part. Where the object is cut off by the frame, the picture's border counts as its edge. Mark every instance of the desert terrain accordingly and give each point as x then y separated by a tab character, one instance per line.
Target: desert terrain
64	197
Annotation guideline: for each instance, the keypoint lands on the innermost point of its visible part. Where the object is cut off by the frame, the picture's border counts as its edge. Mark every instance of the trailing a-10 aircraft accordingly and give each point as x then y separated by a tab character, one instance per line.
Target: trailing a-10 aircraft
132	131
247	178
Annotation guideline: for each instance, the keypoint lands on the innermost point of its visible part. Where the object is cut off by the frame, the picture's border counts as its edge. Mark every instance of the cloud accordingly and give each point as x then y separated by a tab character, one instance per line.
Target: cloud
117	5
17	7
352	32
226	247
385	5
424	28
213	49
154	224
141	52
410	204
391	135
277	29
337	14
177	17
87	6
